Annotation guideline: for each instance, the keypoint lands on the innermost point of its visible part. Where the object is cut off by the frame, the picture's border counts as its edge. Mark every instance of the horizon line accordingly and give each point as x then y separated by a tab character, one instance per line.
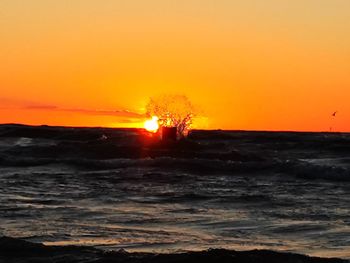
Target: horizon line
195	129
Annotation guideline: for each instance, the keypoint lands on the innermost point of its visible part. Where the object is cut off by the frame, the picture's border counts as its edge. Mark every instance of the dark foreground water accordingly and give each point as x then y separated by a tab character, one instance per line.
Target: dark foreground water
114	188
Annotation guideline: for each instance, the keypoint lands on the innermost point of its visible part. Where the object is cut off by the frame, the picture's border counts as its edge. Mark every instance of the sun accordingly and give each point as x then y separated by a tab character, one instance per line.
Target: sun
152	125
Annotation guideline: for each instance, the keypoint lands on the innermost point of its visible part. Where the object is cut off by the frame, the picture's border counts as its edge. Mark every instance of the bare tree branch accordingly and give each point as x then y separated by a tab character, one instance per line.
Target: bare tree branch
172	111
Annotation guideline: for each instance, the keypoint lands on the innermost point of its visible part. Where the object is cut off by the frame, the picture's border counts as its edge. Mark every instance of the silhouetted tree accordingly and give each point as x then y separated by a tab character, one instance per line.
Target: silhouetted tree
172	111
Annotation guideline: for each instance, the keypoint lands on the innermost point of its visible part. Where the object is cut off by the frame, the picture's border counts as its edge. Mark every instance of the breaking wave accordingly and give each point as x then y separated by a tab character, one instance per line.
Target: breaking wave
198	166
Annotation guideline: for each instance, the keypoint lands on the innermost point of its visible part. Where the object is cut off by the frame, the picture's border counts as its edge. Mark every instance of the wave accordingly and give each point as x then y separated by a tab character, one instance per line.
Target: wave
198	166
205	152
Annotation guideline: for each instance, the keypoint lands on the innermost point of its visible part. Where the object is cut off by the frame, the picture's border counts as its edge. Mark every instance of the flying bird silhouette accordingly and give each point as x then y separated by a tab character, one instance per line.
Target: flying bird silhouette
334	113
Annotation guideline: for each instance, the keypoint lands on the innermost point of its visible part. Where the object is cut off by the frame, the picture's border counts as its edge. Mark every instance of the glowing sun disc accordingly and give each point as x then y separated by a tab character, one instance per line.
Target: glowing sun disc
152	125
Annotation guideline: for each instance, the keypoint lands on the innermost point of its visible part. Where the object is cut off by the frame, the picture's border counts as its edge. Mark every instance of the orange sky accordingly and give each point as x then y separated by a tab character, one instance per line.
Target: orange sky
246	64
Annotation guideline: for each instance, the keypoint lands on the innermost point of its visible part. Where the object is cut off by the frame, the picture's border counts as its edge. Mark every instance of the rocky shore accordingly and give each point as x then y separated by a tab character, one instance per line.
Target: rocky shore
20	251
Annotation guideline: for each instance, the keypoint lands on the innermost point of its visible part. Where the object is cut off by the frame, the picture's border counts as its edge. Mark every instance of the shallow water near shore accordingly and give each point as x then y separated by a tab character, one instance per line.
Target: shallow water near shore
234	190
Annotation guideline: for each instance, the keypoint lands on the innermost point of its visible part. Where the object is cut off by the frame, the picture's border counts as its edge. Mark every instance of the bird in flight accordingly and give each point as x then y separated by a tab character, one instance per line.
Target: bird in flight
334	113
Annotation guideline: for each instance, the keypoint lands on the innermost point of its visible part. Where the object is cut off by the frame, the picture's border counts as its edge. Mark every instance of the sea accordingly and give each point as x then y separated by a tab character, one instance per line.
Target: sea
127	189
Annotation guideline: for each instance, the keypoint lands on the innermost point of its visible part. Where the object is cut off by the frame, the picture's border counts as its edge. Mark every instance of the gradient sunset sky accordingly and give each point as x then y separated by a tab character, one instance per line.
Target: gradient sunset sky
246	64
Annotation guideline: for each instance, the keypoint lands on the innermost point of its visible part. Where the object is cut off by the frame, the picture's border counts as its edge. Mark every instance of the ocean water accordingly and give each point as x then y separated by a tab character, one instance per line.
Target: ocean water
121	188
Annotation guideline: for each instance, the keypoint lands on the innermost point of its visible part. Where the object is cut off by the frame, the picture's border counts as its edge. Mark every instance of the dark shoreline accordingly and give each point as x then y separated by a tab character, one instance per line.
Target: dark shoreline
20	251
46	126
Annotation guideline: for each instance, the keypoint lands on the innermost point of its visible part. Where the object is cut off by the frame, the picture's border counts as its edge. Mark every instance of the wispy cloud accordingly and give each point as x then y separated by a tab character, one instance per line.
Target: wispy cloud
7	103
120	113
40	107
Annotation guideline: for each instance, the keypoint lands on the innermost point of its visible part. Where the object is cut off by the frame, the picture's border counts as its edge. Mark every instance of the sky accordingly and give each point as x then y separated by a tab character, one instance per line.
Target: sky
244	64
